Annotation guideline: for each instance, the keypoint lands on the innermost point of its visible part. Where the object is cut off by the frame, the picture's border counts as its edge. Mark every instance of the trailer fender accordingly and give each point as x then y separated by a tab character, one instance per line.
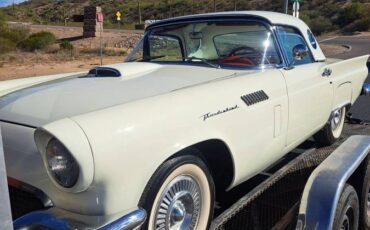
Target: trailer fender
324	186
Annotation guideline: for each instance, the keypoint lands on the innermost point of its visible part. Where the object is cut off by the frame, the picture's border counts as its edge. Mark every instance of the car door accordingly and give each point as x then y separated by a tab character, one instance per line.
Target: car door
310	93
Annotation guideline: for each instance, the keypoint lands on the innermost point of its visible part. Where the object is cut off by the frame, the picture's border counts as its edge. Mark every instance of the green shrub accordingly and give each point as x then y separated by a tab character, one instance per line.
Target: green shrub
66	45
6	45
320	24
15	34
358	25
355	17
38	41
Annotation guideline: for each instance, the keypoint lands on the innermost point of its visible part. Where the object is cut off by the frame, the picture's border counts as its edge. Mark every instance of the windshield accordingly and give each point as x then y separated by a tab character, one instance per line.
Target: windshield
241	44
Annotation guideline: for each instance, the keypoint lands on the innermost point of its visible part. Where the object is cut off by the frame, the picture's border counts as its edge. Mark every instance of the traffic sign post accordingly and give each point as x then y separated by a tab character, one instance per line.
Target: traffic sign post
296	6
100	19
118	14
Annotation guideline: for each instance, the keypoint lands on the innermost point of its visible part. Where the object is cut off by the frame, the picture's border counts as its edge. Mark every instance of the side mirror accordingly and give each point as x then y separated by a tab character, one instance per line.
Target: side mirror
366	89
299	52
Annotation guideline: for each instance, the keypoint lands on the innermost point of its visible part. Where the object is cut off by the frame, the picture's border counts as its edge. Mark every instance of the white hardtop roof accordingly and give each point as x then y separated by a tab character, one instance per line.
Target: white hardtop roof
272	17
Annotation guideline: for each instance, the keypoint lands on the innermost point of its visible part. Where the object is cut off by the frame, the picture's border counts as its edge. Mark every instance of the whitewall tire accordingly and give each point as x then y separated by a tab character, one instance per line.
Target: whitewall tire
333	129
179	196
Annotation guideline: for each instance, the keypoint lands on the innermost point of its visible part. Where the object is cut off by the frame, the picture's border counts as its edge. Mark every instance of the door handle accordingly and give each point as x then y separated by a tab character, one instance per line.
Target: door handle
327	72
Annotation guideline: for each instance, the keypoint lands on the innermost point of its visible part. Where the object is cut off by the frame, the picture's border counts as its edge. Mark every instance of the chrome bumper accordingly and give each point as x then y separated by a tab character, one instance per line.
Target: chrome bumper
366	89
57	219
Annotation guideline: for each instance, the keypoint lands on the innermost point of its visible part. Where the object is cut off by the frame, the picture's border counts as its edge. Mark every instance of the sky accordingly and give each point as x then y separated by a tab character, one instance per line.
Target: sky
9	2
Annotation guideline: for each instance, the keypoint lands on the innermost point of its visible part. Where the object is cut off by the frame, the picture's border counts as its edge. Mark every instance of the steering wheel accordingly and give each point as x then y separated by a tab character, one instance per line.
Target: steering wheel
239	59
248	50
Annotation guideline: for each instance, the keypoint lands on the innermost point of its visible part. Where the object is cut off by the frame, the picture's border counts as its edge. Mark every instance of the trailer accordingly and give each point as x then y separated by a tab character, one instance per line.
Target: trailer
309	189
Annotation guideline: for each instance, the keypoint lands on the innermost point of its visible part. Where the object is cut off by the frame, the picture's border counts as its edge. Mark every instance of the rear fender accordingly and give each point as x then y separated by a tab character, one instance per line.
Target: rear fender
347	77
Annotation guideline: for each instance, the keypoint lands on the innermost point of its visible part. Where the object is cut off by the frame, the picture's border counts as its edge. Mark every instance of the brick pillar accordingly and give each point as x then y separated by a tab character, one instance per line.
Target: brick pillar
91	26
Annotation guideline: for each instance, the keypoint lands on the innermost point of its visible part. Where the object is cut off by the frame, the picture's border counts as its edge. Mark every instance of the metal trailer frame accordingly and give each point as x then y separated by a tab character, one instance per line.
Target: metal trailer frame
297	188
318	205
5	212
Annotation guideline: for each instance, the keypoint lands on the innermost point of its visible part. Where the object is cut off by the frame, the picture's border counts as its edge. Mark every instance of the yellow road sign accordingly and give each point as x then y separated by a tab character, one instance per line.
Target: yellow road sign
118	14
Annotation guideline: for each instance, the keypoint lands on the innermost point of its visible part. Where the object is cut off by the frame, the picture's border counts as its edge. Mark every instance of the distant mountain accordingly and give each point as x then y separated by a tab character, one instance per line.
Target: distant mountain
321	15
9	2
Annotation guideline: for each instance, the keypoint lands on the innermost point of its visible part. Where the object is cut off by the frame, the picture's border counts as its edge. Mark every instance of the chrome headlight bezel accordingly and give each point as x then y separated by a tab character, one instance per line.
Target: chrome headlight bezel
73	138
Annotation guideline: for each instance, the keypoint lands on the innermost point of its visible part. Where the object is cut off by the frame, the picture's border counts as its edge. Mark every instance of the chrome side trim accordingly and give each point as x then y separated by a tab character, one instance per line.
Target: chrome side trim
58	219
323	189
366	89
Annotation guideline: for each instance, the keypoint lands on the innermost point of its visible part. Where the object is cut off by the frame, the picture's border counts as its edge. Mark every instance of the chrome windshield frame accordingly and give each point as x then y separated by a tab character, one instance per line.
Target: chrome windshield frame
224	18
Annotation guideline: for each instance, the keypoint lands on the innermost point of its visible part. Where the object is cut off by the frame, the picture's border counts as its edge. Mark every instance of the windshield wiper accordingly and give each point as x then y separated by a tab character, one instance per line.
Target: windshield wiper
204	60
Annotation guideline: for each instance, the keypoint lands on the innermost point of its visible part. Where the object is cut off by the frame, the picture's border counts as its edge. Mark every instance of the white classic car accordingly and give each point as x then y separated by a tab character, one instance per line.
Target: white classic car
202	104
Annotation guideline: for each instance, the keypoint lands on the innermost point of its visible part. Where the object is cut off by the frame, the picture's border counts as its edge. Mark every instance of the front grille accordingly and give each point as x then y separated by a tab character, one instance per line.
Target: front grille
23	202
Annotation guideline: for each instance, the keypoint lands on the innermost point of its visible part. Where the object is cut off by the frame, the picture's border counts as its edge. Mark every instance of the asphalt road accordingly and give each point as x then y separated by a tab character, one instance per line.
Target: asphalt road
358	45
80	28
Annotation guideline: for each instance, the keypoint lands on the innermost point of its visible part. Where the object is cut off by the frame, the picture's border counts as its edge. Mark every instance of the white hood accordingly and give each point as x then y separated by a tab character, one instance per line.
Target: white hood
53	100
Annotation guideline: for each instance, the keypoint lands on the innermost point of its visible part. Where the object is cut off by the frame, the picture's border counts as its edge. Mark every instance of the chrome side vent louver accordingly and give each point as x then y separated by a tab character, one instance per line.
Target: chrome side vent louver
104	72
255	97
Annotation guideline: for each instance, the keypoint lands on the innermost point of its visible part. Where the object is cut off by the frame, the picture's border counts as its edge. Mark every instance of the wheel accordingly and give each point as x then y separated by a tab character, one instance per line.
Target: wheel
347	212
365	198
333	129
180	195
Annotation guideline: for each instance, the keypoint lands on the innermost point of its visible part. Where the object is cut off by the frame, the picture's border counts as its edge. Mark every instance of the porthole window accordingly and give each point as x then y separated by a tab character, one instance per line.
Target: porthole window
312	39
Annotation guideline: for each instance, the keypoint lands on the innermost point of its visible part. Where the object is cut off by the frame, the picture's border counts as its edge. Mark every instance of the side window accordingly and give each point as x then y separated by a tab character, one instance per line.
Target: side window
312	39
289	38
165	48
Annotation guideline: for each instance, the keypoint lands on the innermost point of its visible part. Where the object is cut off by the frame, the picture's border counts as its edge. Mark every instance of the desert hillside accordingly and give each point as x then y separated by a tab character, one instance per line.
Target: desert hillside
322	15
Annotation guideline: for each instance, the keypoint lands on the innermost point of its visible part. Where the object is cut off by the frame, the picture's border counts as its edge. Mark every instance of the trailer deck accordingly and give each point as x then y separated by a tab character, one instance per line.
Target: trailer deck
274	203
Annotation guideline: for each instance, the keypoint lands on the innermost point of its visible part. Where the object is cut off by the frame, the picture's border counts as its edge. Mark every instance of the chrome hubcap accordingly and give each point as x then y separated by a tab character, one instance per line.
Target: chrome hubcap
345	223
180	204
336	120
348	219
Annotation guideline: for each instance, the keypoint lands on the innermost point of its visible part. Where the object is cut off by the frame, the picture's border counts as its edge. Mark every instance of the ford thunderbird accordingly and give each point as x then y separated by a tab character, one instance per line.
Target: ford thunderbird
200	105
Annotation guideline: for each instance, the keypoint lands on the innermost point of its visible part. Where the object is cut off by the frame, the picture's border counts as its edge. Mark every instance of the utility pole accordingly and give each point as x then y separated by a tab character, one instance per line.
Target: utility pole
285	6
192	6
139	9
214	6
171	13
235	8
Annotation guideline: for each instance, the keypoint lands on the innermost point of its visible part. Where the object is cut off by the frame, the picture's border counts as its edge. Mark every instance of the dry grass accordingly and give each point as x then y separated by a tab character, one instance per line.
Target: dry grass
54	60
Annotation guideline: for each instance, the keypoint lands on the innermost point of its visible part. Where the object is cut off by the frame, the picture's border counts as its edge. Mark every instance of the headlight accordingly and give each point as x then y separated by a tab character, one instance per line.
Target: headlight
61	164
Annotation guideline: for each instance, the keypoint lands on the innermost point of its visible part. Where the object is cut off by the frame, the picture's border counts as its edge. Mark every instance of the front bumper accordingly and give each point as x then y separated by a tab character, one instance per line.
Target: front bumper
57	219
